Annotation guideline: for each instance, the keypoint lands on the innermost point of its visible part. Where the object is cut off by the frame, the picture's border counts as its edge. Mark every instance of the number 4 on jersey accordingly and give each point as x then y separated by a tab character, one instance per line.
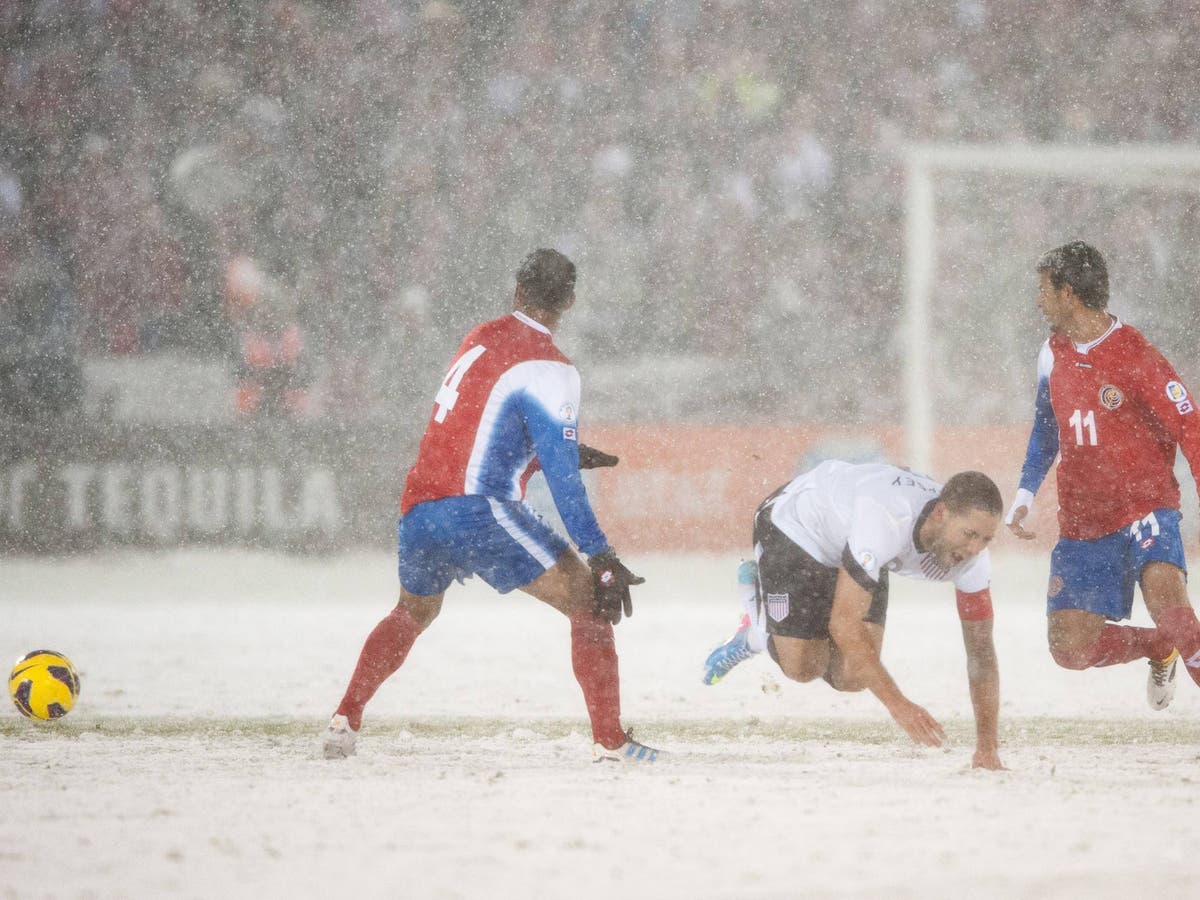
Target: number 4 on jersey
447	394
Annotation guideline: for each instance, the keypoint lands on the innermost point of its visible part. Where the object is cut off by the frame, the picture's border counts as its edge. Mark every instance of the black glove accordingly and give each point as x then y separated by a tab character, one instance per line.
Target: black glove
591	458
610	586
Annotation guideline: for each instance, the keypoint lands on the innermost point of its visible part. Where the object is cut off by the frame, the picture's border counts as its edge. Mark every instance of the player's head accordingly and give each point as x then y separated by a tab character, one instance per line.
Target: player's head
546	280
1080	267
964	519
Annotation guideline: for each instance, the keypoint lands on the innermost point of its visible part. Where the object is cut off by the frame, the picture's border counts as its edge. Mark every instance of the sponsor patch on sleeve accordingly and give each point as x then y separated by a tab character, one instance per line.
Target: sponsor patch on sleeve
569	434
1176	392
1184	407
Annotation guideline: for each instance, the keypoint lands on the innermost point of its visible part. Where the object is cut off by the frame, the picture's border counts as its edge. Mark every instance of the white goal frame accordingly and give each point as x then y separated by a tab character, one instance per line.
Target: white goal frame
1122	165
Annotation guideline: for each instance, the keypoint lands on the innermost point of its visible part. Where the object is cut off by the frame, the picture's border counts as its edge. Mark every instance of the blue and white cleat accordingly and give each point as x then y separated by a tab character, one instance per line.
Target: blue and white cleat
630	752
729	654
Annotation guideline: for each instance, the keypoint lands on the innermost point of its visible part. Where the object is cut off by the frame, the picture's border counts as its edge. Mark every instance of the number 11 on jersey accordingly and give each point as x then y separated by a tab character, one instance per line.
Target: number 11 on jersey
447	394
1081	422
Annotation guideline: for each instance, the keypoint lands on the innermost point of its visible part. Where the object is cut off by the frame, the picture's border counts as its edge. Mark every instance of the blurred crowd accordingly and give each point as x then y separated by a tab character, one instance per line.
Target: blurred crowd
326	193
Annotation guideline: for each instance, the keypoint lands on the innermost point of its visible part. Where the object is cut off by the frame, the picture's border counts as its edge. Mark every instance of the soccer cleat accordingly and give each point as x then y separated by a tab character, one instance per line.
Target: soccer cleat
1160	685
729	654
339	738
630	752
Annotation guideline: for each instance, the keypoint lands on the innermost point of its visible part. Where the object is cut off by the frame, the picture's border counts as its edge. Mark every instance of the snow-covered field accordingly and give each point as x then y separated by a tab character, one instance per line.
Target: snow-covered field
190	767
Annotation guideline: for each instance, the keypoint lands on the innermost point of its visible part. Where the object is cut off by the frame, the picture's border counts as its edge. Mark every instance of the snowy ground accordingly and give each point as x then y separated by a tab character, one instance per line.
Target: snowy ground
190	767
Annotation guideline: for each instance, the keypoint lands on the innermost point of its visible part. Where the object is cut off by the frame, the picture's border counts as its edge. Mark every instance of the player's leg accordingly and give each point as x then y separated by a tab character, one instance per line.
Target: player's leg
796	594
801	659
1162	573
385	650
750	637
426	569
518	550
1091	588
567	587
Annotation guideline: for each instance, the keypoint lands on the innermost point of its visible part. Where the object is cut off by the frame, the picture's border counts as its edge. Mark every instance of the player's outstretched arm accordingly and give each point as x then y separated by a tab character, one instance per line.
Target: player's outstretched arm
848	631
983	675
1040	451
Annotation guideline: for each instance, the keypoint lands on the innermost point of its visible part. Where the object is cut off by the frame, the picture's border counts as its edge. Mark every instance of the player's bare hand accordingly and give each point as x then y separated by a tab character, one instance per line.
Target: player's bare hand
988	758
923	728
1015	520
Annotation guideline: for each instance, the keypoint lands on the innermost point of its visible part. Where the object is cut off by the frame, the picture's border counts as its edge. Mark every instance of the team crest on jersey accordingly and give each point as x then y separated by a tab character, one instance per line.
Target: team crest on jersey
1176	392
1111	396
777	606
567	413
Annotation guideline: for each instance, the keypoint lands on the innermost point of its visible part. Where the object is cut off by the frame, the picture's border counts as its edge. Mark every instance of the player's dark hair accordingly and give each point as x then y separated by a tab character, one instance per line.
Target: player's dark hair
972	490
547	279
1080	266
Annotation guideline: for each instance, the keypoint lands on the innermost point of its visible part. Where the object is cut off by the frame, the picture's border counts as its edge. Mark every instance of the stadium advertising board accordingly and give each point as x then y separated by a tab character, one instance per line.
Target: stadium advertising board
678	488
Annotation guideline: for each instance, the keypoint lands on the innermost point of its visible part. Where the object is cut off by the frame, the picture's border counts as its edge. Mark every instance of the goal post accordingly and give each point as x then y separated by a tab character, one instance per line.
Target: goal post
1123	166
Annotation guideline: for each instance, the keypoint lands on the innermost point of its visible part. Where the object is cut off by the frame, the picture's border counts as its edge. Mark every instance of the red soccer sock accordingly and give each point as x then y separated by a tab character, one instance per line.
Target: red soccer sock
1117	644
1181	628
382	654
594	658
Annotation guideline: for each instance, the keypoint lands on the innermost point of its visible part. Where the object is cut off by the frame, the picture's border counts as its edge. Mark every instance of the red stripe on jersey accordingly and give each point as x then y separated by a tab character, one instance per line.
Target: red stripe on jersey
441	466
1118	428
976	606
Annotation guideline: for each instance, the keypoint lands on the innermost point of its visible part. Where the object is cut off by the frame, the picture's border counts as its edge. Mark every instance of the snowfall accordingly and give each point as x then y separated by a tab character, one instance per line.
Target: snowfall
191	764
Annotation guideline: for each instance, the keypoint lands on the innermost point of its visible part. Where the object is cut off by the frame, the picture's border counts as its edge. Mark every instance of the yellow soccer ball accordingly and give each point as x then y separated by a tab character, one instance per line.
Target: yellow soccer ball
43	685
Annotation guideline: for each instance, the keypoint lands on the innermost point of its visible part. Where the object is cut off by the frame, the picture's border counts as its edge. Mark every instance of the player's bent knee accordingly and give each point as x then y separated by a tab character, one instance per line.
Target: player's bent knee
845	684
1071	657
801	671
423	609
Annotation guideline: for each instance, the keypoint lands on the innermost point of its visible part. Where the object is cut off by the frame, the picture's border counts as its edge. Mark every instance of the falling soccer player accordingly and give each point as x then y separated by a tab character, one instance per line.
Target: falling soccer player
816	596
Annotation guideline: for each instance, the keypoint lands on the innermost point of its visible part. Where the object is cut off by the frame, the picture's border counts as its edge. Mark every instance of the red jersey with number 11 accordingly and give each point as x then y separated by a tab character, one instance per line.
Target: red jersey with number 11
1121	411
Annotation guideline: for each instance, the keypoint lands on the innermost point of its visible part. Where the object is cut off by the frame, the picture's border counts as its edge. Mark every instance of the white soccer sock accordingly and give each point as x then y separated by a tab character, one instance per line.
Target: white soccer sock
756	637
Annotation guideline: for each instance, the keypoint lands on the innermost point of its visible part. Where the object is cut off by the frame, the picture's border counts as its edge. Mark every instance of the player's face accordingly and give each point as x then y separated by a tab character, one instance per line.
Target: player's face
962	536
1053	303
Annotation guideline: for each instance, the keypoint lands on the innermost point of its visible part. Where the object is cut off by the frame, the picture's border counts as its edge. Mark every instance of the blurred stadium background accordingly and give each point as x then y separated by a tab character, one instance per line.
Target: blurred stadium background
240	241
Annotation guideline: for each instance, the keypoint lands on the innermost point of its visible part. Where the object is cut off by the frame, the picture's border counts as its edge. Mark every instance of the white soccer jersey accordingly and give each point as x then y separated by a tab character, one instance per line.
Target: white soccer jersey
870	513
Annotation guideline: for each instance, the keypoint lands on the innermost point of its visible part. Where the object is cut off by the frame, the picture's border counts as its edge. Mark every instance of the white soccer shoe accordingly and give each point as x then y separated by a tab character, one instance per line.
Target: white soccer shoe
630	752
339	738
1160	684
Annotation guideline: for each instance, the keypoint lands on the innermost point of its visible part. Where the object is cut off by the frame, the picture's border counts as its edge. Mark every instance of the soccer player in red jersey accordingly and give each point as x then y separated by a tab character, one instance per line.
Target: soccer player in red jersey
1114	411
508	405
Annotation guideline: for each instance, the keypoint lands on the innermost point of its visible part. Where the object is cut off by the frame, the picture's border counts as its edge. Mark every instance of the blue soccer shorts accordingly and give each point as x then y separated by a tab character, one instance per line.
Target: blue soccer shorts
504	542
1098	576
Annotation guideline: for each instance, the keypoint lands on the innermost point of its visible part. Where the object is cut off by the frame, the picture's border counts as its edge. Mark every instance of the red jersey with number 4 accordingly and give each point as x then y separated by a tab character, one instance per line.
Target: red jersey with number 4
508	405
1121	411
